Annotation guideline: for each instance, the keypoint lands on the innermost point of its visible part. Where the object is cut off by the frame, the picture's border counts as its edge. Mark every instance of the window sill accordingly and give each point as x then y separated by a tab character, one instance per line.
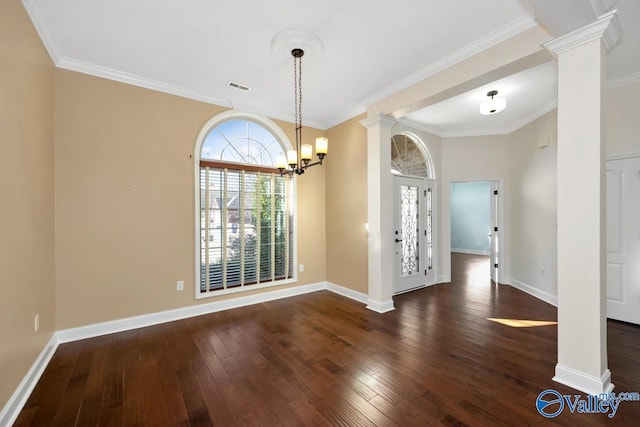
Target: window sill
242	289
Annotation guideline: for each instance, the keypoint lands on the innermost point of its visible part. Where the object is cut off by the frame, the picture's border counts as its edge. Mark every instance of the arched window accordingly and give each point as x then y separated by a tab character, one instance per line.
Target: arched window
409	157
245	208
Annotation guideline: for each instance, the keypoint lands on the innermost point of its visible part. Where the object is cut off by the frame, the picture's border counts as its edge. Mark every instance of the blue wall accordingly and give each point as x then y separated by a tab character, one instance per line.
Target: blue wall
470	217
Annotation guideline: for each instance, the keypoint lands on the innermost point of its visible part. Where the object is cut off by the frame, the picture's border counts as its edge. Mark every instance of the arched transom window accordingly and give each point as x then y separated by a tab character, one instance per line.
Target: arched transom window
407	158
245	230
241	141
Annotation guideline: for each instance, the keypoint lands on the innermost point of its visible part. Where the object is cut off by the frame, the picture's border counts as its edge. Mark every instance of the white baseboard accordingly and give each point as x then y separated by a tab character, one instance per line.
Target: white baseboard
583	382
443	279
535	292
19	397
349	293
127	324
15	404
151	319
470	251
438	281
380	306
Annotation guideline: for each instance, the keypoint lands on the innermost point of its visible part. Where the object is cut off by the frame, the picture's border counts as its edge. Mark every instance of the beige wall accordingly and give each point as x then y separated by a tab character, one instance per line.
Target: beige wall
533	205
124	191
125	201
26	192
533	218
474	158
622	127
312	233
346	207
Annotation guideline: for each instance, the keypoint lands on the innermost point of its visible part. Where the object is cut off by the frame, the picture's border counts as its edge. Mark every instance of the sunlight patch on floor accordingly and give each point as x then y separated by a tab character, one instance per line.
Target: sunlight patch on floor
518	323
478	272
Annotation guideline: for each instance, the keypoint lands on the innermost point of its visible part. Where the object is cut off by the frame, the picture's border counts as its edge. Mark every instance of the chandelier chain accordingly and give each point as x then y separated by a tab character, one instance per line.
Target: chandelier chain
296	162
297	78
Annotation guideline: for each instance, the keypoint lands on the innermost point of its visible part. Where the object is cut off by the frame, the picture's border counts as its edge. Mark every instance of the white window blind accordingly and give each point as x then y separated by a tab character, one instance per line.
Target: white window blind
246	226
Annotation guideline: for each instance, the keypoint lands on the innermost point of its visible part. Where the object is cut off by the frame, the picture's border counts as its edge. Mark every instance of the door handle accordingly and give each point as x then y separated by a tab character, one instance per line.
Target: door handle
398	240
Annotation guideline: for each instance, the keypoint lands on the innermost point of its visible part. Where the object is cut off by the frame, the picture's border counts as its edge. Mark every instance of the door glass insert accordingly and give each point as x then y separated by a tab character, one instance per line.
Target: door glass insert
409	259
429	230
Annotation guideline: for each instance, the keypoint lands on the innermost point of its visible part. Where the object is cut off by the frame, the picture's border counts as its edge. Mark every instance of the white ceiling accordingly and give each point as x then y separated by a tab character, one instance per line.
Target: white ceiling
370	49
529	94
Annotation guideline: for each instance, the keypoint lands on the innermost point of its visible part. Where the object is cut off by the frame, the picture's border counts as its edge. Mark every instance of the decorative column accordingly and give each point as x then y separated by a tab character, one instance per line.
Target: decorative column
582	310
380	212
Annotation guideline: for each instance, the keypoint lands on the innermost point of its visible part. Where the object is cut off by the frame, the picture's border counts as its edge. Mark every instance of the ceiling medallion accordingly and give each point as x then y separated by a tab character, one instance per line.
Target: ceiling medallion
285	41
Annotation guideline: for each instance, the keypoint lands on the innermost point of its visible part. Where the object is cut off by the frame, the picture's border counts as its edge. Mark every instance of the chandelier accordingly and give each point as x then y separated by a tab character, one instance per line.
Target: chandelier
298	160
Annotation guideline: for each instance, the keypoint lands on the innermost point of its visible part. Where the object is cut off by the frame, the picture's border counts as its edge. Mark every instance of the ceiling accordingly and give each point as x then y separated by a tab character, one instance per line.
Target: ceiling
365	50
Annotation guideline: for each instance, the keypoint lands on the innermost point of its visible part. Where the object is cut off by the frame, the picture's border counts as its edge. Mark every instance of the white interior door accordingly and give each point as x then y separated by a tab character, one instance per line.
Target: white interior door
623	239
411	258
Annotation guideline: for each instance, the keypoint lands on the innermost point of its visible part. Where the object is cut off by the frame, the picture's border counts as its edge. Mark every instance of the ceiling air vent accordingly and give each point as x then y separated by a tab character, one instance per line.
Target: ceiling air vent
238	86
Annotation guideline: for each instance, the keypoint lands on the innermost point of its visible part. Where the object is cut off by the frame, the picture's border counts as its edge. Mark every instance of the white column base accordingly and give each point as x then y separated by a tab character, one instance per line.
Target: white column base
380	306
583	382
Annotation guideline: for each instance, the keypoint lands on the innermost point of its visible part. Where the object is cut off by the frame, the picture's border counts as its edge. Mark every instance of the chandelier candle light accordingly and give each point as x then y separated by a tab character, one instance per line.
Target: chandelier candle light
298	160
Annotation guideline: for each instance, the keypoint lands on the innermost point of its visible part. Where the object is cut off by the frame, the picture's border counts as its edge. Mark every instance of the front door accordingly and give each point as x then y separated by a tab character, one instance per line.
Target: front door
413	235
623	240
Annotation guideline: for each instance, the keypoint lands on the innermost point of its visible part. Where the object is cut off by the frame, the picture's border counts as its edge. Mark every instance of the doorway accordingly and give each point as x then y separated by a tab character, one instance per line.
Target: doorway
413	191
474	218
413	233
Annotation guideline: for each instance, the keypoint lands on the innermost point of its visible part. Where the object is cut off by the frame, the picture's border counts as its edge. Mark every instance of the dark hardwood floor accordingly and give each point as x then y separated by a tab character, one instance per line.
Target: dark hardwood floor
321	359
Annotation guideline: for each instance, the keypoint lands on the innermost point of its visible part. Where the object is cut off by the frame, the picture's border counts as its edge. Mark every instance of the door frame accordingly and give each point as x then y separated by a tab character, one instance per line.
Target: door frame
611	303
501	234
431	278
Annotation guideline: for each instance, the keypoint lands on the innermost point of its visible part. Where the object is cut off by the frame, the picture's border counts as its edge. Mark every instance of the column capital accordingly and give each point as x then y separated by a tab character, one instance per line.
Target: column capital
599	29
378	119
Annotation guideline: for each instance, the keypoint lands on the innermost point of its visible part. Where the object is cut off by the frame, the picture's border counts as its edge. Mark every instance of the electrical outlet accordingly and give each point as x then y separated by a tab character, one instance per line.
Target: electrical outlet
36	323
301	268
180	285
542	272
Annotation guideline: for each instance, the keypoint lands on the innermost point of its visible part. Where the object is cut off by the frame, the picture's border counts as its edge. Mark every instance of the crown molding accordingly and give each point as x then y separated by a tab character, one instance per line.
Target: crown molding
336	120
156	85
507	130
478	132
42	27
600	7
378	119
594	31
419	126
629	79
135	80
614	32
536	114
480	45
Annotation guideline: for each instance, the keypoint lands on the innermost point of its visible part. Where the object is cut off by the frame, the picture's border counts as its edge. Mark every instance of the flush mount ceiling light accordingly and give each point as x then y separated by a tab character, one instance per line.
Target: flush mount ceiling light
494	105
